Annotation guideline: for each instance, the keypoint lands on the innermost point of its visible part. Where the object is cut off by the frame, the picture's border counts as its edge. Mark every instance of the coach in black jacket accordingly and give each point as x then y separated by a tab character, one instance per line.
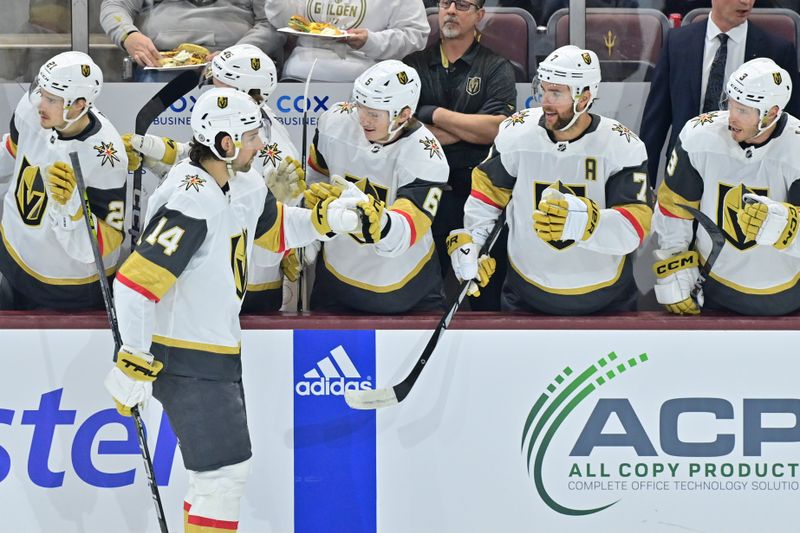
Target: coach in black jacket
676	85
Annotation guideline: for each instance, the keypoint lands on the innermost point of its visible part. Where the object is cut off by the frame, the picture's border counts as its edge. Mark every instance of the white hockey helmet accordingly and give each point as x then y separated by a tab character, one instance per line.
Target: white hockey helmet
228	111
71	75
391	86
577	69
245	67
762	84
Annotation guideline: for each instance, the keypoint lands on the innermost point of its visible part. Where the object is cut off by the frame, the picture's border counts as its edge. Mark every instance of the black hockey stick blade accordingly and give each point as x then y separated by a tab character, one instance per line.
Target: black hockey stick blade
108	301
168	95
717	242
378	398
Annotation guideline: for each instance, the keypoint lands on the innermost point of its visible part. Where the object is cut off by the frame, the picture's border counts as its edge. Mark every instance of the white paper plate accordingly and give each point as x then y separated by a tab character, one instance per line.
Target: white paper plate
306	34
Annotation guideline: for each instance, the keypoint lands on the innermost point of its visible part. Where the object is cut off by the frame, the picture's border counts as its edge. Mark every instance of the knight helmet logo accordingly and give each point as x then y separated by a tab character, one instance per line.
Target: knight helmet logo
402	77
776	77
85	70
255	62
473	85
587	58
222	102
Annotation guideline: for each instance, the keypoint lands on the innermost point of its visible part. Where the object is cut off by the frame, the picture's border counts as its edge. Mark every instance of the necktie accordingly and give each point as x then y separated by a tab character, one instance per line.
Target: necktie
717	76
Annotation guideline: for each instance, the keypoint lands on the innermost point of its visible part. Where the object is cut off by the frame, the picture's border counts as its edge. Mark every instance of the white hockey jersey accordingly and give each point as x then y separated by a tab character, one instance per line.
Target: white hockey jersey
708	170
265	273
606	164
396	28
408	175
183	286
54	266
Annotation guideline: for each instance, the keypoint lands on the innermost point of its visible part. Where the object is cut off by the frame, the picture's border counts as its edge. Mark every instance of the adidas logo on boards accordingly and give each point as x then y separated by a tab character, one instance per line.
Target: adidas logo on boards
332	375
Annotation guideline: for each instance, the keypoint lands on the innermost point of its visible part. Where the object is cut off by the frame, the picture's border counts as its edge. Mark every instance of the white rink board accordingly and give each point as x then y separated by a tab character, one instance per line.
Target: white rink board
448	458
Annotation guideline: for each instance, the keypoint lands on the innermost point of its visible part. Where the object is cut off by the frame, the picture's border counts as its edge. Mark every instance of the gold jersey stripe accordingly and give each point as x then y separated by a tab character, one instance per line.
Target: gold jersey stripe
268	286
151	277
750	290
273	239
199	346
420	223
577	290
381	289
640	215
668	201
110	237
482	184
313	160
44	279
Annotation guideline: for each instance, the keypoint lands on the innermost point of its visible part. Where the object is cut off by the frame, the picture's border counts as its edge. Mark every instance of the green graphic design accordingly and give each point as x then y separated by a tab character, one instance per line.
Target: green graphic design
596	375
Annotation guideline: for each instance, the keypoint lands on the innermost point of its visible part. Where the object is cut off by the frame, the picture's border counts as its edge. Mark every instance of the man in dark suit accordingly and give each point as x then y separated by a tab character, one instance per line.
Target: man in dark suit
694	62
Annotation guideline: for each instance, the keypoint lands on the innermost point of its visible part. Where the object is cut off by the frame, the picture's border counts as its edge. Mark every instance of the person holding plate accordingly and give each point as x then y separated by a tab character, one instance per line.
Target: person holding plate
372	31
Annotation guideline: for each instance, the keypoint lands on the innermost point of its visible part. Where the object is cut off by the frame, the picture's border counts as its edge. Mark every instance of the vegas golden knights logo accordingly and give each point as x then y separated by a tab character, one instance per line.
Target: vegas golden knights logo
776	77
402	77
730	201
367	187
30	195
255	62
586	58
85	70
577	190
222	102
473	85
239	263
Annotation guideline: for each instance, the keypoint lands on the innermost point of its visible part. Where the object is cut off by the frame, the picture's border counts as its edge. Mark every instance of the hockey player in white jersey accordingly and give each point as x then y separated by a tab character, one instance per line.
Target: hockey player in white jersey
574	185
248	69
179	293
46	258
741	167
397	169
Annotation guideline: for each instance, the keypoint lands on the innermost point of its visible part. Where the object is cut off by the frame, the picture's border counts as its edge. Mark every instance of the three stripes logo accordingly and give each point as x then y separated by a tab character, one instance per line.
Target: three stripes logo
332	375
553	407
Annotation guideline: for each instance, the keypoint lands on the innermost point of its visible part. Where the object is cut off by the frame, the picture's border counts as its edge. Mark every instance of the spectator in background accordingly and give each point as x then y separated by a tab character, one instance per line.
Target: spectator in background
143	27
376	30
467	91
695	61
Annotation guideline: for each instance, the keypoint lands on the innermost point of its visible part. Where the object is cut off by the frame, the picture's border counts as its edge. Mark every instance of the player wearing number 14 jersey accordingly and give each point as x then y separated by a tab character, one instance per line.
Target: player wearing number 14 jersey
574	185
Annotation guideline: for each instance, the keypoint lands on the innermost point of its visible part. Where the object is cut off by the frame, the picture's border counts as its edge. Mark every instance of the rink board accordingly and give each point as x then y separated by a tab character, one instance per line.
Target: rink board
689	430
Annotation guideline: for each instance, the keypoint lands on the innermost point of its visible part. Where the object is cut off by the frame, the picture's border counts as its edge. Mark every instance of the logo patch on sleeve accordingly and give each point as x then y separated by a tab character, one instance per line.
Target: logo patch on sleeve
194	182
107	153
432	146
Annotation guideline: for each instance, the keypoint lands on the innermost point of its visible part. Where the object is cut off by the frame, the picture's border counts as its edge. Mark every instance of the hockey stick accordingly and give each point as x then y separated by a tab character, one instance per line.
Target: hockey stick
717	242
111	312
169	94
302	286
377	398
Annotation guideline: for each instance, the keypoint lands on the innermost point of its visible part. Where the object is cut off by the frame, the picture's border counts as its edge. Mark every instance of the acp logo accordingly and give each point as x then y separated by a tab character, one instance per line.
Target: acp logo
331	376
554	405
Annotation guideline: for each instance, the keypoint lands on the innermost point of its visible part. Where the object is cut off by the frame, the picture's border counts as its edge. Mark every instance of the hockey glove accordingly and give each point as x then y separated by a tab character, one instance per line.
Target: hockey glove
335	215
290	265
319	192
466	263
287	181
563	217
677	274
768	222
130	382
61	184
154	149
374	220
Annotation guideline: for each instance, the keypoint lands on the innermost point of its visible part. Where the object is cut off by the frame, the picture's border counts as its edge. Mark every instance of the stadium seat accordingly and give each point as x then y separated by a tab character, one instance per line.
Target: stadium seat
627	41
783	23
507	31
